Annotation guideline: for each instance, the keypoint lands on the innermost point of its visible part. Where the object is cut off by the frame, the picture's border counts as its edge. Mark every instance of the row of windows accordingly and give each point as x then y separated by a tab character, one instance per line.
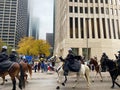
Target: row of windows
97	1
112	25
91	10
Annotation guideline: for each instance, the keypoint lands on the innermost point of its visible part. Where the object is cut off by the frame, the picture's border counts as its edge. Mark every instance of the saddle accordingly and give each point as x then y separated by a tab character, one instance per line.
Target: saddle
6	65
74	67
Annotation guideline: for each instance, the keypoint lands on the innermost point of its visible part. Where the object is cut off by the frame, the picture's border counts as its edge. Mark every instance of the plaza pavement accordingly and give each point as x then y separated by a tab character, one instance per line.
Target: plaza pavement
48	81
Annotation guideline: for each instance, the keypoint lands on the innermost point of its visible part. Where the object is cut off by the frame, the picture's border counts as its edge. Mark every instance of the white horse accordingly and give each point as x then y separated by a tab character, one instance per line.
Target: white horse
84	73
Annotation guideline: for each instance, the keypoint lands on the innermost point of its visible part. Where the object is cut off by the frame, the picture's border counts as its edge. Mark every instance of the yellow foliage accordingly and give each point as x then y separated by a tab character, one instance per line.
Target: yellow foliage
30	46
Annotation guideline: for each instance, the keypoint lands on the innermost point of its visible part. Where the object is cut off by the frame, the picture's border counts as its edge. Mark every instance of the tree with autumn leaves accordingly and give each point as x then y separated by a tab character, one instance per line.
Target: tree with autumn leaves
30	46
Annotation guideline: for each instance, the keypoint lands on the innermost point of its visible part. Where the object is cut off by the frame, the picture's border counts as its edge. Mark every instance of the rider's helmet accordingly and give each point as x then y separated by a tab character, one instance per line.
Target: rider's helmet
104	53
4	47
119	51
70	49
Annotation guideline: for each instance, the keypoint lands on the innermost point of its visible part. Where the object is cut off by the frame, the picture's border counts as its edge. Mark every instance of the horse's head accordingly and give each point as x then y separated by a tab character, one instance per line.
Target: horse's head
61	59
93	61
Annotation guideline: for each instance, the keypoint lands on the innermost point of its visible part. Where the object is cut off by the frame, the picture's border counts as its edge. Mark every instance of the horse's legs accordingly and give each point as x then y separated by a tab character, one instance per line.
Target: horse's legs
3	77
95	76
64	81
26	76
78	77
100	76
14	83
88	79
114	82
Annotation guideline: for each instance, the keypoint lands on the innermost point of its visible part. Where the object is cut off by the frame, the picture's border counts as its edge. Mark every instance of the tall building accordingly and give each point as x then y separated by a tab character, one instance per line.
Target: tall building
13	21
89	27
49	39
34	28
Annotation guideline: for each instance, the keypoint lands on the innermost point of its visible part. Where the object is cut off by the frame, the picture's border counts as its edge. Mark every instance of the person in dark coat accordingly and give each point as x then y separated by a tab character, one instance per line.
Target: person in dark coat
104	55
13	56
69	60
118	58
3	54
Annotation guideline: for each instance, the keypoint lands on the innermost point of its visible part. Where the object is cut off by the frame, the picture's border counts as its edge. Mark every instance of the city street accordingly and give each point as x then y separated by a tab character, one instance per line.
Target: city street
47	81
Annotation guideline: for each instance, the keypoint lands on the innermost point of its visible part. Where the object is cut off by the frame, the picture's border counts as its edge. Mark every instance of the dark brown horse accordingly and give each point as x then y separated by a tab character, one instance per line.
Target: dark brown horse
26	68
97	67
13	72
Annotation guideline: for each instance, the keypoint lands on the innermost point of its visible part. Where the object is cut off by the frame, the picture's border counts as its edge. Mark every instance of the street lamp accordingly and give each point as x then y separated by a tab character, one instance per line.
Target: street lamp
87	36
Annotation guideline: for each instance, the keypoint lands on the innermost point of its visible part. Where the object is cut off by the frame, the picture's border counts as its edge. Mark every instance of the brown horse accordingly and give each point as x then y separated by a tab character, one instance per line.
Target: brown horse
97	67
26	68
13	72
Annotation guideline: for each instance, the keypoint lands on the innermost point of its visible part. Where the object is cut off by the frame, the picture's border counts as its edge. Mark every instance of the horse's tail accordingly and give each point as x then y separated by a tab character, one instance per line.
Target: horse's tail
29	69
87	71
22	80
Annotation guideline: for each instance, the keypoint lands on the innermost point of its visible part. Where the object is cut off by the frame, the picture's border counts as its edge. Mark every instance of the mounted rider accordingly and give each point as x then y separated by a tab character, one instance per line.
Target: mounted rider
104	55
13	56
3	54
70	63
5	63
118	58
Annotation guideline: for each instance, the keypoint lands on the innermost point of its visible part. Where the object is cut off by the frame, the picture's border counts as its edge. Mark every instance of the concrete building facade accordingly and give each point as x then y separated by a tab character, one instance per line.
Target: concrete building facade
89	27
13	21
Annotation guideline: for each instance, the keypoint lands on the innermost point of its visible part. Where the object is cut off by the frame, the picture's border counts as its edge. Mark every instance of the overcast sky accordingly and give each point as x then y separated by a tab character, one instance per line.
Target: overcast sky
43	9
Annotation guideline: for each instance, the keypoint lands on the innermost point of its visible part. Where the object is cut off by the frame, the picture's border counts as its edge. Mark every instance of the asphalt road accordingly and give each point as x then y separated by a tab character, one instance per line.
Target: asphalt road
48	81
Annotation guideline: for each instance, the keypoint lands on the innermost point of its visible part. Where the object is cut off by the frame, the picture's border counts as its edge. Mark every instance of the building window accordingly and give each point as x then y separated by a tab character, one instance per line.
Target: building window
98	27
97	10
87	27
81	9
71	27
81	0
113	28
106	1
76	0
76	9
86	52
96	1
76	27
70	9
108	20
76	51
102	10
91	9
91	1
92	28
118	29
70	0
86	10
101	1
86	1
82	27
104	29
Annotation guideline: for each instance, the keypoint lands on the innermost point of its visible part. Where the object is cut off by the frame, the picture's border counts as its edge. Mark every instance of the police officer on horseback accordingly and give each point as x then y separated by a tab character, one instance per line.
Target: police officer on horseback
104	55
70	56
118	59
71	64
13	56
3	54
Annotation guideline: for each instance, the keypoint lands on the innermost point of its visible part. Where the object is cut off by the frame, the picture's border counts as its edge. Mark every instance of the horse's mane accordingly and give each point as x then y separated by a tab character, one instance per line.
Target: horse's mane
111	62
